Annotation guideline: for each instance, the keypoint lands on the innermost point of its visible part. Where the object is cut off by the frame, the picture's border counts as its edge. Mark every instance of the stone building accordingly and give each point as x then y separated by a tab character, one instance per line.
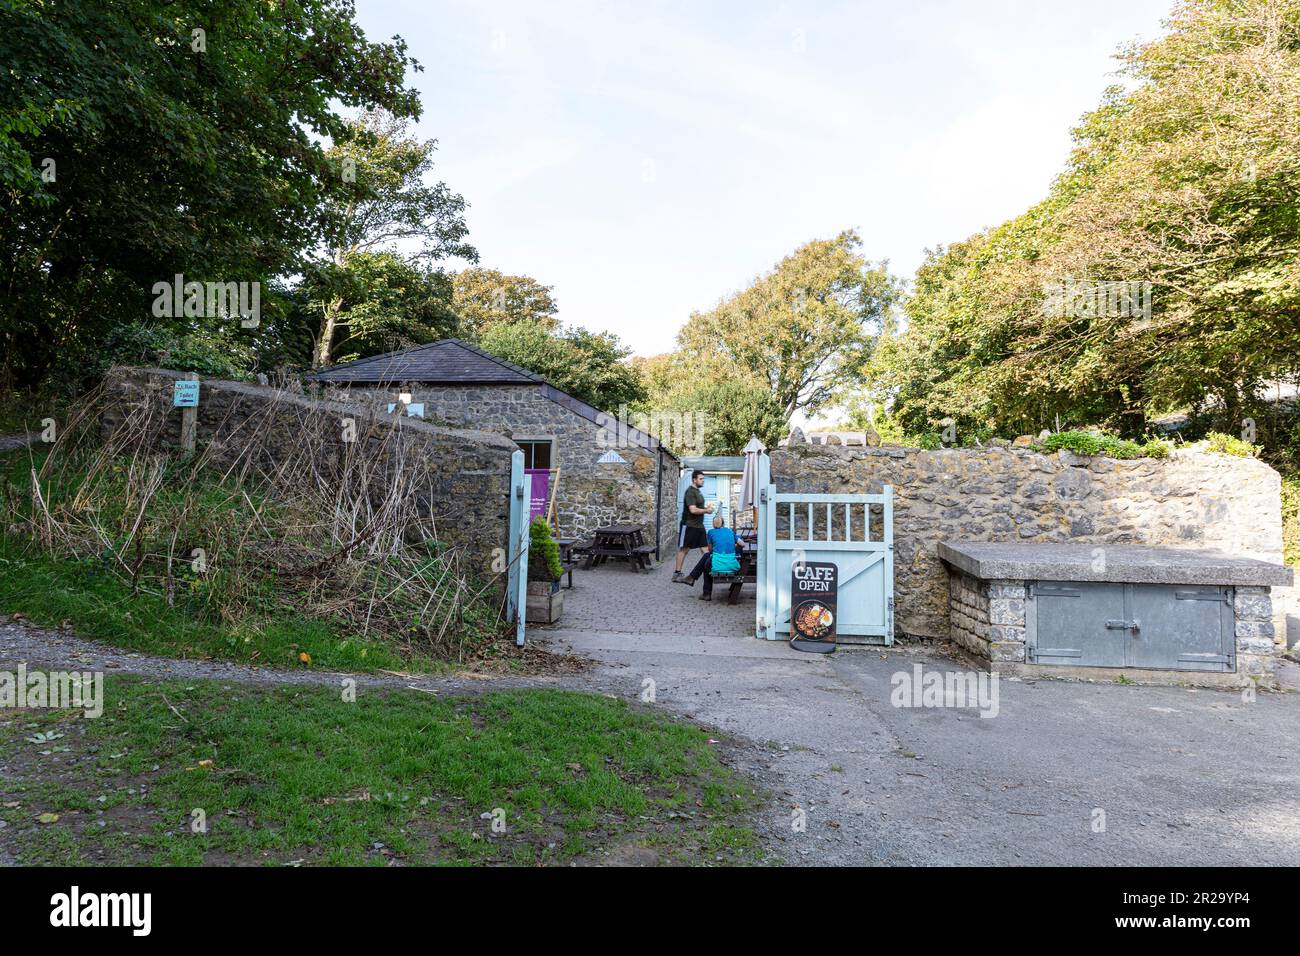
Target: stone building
589	469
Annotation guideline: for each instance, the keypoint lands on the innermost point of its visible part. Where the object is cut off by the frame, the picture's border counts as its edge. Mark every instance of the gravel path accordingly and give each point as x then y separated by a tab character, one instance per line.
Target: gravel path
61	649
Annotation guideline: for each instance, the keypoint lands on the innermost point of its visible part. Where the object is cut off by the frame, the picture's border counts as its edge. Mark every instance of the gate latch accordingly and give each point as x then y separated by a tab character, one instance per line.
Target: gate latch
1133	626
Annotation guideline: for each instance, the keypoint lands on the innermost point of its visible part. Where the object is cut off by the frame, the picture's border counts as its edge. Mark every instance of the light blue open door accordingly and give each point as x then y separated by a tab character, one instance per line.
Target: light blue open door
517	553
763	625
717	492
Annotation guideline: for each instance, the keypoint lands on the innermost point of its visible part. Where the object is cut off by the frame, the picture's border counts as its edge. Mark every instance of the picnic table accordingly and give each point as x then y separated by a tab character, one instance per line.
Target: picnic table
623	541
748	573
568	561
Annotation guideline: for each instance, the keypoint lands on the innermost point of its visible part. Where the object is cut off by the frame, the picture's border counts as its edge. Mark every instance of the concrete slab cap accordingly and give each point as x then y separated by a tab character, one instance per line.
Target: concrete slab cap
1125	563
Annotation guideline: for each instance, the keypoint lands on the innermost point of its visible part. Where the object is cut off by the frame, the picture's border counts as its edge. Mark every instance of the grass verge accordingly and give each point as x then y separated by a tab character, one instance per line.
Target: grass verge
54	591
298	776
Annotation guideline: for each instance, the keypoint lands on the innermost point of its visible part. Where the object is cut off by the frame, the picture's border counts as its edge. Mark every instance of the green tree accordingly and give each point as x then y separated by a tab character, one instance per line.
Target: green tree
731	412
384	198
730	409
377	302
487	297
171	151
804	330
1185	179
588	365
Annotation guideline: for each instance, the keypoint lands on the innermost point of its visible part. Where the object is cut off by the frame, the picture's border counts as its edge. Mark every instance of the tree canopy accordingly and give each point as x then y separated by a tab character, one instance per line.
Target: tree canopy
484	298
803	330
1182	183
148	138
588	365
730	409
362	292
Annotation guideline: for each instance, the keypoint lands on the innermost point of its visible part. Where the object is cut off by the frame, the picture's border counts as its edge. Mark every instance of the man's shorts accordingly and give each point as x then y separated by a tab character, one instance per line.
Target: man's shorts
691	537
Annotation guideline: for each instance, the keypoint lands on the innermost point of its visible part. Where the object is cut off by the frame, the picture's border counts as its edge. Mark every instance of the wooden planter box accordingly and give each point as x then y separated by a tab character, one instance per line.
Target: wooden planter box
545	602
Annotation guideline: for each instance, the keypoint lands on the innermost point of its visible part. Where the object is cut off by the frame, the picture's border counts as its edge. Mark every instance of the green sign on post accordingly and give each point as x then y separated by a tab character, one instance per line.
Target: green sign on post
185	394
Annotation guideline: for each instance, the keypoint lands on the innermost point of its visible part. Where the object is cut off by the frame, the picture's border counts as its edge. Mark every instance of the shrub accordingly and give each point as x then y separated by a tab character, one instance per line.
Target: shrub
1230	445
1081	443
1291	518
1101	443
211	350
1157	448
543	552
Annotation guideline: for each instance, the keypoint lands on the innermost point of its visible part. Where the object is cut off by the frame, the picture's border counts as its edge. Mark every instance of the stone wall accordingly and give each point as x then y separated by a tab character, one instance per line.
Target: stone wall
590	495
968	602
1012	494
464	475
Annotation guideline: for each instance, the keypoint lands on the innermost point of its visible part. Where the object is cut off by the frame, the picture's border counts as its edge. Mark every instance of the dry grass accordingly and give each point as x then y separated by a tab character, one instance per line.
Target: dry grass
278	511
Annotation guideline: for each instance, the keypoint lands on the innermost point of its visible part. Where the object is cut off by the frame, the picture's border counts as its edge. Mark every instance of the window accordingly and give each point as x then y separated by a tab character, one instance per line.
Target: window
537	452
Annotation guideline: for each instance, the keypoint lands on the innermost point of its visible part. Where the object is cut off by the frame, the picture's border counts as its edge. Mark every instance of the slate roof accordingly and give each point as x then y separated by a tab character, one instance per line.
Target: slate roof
445	362
455	362
714	464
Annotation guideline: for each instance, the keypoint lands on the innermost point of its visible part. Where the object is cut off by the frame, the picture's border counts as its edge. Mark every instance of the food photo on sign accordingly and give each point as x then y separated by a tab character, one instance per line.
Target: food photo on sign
813	587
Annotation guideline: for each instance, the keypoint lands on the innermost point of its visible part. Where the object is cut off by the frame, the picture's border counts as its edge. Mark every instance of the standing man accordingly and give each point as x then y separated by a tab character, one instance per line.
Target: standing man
692	533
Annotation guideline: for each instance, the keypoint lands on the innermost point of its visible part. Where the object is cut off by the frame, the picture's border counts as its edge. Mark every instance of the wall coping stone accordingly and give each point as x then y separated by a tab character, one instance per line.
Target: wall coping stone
338	406
1034	561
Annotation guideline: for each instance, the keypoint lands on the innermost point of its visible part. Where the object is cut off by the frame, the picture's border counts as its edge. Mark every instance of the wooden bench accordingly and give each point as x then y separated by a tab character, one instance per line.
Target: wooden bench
567	568
734	582
616	541
570	559
643	552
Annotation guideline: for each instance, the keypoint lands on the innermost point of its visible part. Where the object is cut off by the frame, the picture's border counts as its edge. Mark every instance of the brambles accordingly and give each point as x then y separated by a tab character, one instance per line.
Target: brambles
281	519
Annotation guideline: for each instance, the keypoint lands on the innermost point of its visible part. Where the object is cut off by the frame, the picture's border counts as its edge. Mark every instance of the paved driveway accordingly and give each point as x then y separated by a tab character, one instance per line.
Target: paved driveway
1066	773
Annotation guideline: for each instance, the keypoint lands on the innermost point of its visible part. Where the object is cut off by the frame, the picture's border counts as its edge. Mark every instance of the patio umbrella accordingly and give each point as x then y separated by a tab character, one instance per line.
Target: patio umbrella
749	477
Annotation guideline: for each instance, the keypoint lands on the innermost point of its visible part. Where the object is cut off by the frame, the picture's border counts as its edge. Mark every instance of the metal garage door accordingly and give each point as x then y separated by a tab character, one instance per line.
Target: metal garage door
1156	626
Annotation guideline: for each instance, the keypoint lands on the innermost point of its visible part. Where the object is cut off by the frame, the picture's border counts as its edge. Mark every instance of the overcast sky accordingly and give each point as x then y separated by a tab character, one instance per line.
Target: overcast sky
647	159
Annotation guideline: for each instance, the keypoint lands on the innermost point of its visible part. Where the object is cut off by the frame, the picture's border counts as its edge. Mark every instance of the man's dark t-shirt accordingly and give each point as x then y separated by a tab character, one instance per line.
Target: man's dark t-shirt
693	497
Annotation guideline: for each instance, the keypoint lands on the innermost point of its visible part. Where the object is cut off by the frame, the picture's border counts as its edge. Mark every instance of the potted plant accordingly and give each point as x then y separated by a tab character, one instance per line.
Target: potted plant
545	599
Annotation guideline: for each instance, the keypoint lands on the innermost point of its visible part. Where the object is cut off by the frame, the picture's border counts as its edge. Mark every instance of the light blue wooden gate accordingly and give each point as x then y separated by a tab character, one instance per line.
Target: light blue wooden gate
521	495
855	532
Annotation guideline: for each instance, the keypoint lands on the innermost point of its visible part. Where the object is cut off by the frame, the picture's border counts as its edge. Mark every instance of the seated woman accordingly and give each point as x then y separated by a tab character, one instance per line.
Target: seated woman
723	557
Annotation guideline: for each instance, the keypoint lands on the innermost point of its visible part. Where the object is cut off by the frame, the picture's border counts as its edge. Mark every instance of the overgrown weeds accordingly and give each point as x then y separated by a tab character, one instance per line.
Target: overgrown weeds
276	515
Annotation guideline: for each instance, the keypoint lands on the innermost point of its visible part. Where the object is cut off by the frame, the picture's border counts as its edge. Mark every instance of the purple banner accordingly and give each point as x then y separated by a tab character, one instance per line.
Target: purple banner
541	491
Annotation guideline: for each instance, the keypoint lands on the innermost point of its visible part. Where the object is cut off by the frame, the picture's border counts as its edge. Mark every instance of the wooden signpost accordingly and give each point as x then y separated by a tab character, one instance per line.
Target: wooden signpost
185	396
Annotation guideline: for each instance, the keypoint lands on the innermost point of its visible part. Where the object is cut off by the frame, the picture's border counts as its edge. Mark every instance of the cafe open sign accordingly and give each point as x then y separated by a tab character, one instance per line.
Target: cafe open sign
813	587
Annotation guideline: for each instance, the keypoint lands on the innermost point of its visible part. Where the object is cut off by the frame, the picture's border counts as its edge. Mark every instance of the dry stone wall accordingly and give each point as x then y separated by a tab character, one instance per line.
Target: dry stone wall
1013	494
